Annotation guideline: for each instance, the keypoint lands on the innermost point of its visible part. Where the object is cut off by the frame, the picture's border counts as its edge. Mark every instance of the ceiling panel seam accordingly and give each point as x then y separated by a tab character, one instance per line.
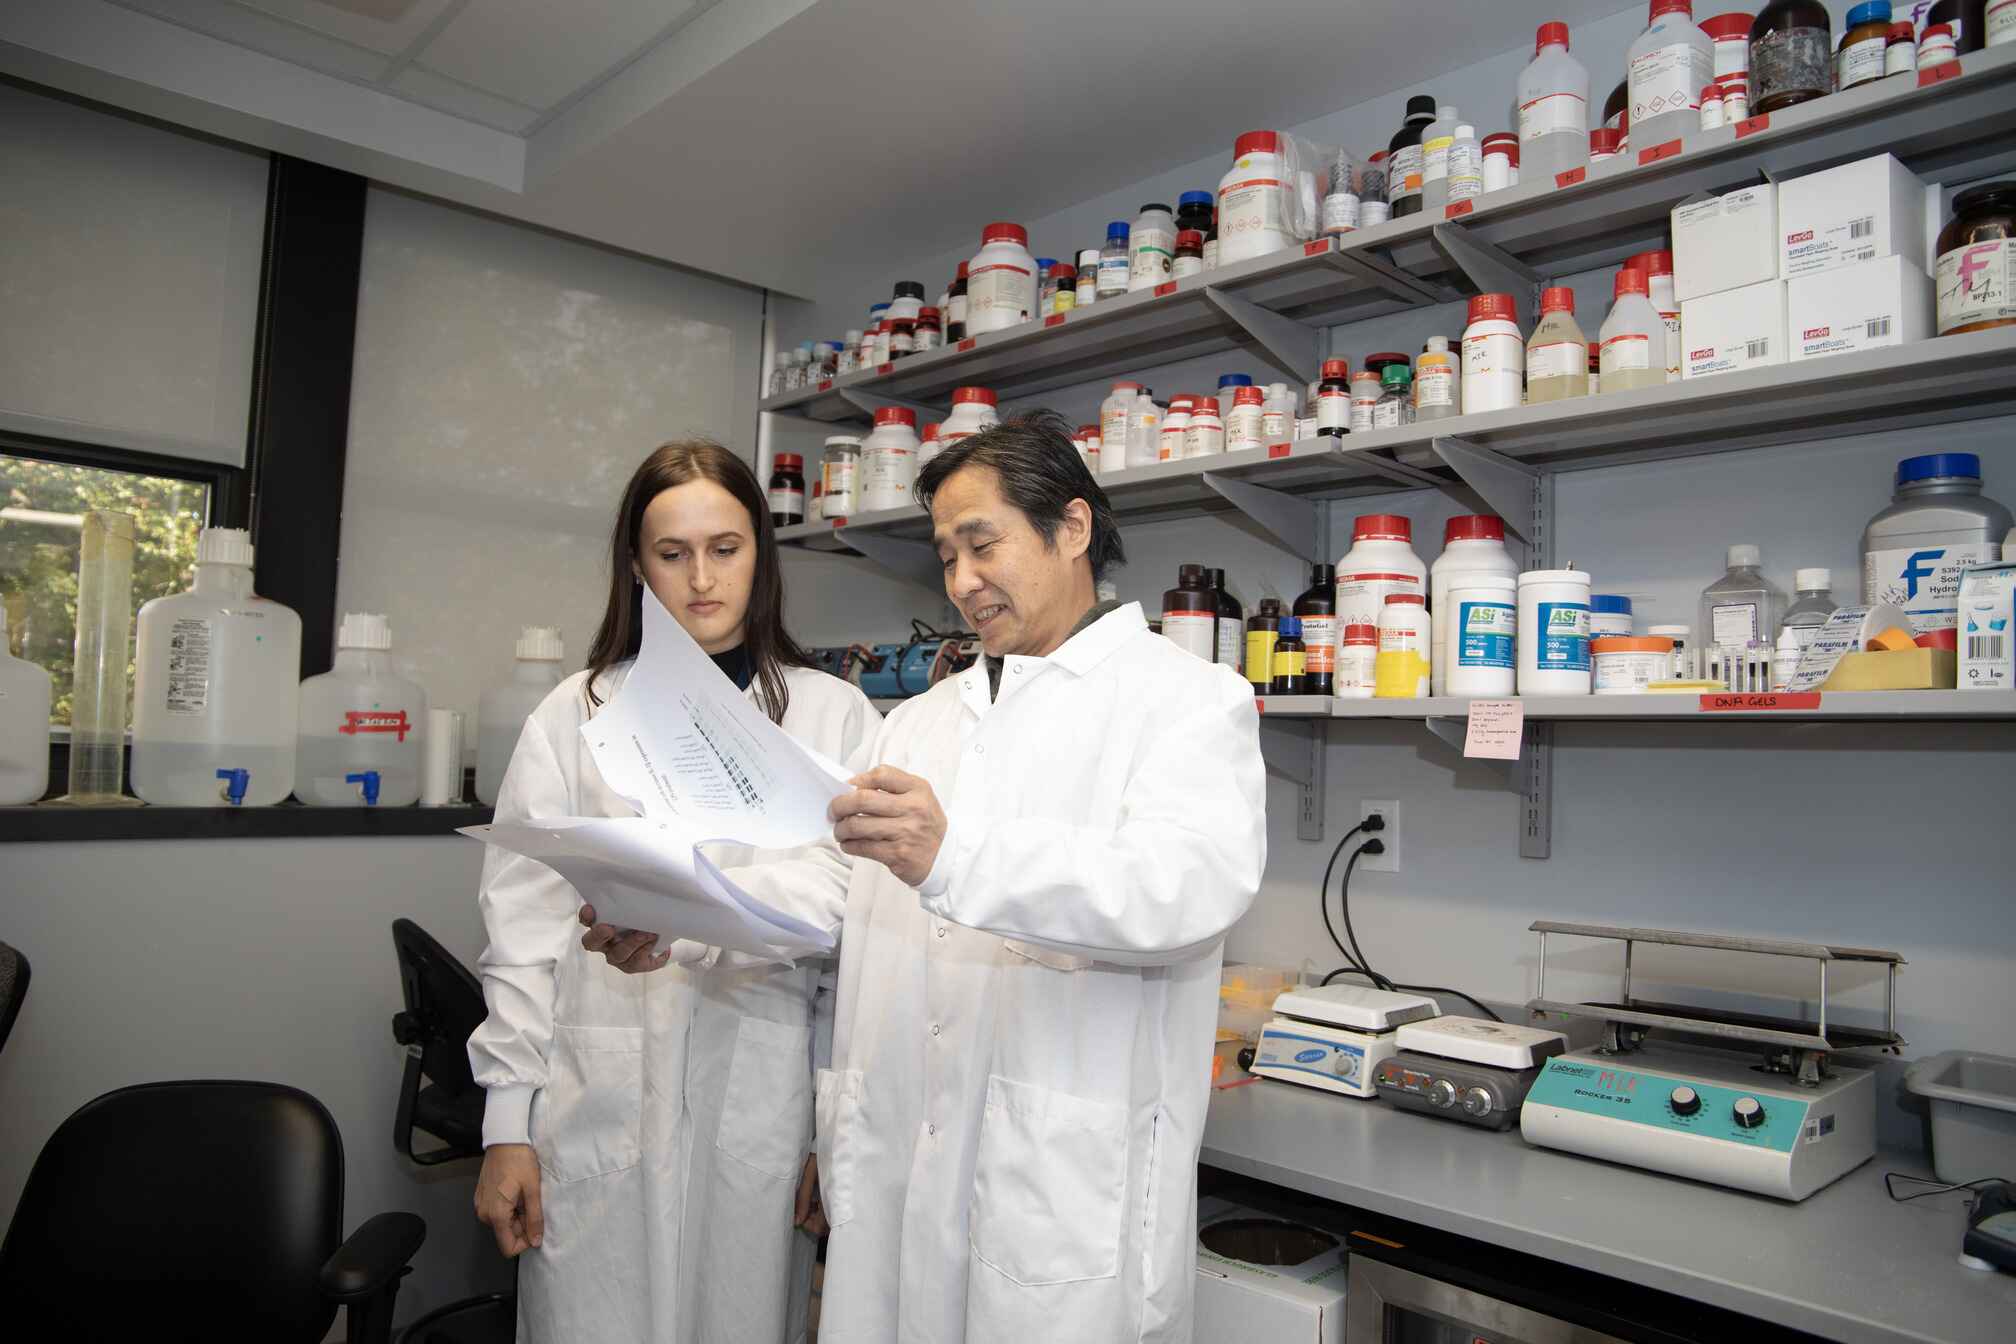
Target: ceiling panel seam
649	45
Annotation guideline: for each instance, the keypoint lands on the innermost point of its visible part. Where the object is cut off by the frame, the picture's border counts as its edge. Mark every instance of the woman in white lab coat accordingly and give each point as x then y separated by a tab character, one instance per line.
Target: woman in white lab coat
644	1135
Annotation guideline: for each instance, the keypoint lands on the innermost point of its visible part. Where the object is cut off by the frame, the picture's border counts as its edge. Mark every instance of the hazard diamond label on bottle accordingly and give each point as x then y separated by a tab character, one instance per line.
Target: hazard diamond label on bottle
357	721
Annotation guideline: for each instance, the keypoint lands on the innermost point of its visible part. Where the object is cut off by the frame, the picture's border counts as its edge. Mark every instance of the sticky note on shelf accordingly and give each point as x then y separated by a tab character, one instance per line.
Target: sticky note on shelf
1496	727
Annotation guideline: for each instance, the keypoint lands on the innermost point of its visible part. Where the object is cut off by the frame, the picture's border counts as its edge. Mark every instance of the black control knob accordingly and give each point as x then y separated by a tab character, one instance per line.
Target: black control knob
1749	1112
1684	1101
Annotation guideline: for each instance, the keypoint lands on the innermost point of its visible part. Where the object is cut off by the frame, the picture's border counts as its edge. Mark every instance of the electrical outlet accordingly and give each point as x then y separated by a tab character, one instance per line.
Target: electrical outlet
1388	862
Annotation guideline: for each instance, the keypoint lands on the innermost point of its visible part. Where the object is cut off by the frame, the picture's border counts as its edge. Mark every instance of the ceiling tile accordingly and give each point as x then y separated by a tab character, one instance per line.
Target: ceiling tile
390	26
248	28
537	52
445	95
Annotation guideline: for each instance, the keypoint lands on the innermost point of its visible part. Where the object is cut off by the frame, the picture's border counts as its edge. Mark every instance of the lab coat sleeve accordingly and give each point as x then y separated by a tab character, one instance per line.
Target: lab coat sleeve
1161	886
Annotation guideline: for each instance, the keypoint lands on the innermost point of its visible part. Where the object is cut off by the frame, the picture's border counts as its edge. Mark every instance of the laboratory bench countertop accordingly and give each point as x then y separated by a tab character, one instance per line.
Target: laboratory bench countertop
1847	1263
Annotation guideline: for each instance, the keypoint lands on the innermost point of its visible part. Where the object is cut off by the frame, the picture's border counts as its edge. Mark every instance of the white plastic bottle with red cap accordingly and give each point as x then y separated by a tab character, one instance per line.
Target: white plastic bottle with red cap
1494	355
1174	425
1253	200
1553	107
1658	268
1000	280
1472	543
1634	337
1381	561
973	409
889	461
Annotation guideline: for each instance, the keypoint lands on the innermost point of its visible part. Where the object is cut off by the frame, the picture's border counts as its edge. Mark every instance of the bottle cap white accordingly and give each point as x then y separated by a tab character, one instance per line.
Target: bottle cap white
224	546
364	630
1466	132
1670	631
1807	579
540	643
1744	555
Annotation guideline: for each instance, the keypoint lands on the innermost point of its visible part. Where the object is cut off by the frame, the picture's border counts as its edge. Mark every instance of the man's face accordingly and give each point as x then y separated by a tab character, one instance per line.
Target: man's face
1020	595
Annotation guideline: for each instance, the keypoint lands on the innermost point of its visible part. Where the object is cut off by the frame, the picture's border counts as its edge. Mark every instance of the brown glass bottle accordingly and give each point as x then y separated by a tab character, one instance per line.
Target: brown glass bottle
1791	55
1316	609
1290	660
1975	250
1969	20
1263	632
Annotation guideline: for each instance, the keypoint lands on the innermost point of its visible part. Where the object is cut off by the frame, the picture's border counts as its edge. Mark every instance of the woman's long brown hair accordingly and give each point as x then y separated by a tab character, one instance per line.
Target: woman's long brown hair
621	633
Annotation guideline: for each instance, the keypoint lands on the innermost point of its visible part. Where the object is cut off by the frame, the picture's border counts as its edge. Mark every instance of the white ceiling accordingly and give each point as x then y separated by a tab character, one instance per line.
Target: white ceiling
761	140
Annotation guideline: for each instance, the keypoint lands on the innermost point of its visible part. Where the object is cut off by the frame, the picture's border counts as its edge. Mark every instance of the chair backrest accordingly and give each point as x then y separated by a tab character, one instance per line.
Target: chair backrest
13	988
444	1005
181	1209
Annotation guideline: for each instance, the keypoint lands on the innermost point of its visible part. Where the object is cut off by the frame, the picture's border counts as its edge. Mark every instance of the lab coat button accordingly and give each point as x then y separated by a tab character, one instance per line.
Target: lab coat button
935	1028
979	749
931	1129
941	930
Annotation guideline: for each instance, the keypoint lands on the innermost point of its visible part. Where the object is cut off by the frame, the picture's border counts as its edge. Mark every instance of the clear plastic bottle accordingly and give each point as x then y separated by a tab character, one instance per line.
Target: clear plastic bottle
1436	138
1669	63
1438	381
1812	604
1365	393
1277	414
1553	107
1634	337
361	724
1144	430
1658	269
1113	425
501	713
1557	353
1151	247
217	677
1115	261
1466	165
25	697
1396	398
1742	607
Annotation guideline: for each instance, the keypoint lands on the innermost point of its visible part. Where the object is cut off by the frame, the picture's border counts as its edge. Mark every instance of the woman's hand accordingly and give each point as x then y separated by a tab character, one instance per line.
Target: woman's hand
628	950
507	1197
809	1213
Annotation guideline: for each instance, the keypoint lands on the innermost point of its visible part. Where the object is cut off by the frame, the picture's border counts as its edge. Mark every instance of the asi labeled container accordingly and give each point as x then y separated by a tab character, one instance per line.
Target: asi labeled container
24	727
361	725
501	713
217	674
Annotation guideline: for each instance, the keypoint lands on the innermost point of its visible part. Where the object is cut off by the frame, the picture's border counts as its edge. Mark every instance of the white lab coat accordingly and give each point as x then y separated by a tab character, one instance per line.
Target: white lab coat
1008	1136
671	1112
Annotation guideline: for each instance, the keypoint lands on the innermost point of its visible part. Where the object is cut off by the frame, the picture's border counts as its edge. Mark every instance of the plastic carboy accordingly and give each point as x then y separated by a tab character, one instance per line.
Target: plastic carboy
501	713
361	724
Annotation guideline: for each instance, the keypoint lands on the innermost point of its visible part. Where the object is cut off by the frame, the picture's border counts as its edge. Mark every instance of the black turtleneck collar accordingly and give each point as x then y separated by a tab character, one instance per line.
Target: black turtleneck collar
736	665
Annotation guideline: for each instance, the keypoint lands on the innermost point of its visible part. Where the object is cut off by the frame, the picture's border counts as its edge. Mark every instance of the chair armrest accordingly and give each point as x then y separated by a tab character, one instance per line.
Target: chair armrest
373	1258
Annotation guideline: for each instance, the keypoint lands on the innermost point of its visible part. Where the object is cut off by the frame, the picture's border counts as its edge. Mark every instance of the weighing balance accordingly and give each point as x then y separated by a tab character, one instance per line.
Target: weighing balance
1752	1102
1466	1068
1334	1036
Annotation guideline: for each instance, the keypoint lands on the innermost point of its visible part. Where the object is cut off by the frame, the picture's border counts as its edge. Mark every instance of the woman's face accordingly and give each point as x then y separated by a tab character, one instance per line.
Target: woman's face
697	551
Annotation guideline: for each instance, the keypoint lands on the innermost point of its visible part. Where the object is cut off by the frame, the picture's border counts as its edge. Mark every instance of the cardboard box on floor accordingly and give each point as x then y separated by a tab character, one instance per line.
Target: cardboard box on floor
1267	1304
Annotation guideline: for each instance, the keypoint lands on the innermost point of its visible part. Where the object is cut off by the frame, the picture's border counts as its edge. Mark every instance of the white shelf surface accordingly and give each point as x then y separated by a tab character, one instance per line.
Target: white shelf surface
1834	706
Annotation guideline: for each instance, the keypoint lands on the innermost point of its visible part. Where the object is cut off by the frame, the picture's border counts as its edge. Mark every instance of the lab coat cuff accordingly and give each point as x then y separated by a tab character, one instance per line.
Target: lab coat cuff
507	1114
936	882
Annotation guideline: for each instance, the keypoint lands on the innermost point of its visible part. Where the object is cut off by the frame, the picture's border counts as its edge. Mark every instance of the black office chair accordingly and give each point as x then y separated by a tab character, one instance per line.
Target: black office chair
444	1004
13	988
210	1210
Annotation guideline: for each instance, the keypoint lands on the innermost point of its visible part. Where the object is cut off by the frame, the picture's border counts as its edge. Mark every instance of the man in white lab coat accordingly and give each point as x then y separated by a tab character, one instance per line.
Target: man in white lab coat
1034	886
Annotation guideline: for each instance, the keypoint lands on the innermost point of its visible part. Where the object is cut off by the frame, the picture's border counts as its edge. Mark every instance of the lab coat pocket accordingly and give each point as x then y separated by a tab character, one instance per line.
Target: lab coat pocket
766	1114
838	1104
588	1118
1047	1185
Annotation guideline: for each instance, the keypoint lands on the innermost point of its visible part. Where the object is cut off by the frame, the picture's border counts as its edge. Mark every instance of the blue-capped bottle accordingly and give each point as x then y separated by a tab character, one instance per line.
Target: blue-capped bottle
1115	260
1199	210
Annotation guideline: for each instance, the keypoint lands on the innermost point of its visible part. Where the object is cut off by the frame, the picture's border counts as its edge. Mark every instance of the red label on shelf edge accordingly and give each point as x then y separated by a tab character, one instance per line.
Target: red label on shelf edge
1943	70
967	344
1723	704
837	522
1277	450
1571	177
1260	704
1657	152
1166	287
1054	320
1457	209
881	369
825	384
1752	125
1310	249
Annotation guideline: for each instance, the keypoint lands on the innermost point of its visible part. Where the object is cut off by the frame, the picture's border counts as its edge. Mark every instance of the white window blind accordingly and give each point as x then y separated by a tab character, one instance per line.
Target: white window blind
129	280
506	384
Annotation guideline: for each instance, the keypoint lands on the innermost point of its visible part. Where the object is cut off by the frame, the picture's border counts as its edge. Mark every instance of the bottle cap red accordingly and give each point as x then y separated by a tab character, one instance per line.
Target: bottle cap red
931	431
1406	600
789	461
1671	7
1092	430
1604	140
1361	634
1382	527
1652	263
1727	27
1190	238
931	313
1941	29
1338	370
1249	396
1557	299
1256	142
1632	282
1903	32
1004	231
1473	527
962	270
1555	33
1493	307
1713	91
965	396
896	415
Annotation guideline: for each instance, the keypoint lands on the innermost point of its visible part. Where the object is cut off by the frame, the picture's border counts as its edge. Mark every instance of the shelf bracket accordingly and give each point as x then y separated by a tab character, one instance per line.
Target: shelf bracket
1296	524
1510	489
916	561
1490	268
1382	274
1294	750
1536	791
869	402
1295	348
1377	461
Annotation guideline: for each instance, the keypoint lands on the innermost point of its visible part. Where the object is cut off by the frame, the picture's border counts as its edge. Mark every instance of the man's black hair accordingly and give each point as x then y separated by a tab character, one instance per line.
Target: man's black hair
1040	474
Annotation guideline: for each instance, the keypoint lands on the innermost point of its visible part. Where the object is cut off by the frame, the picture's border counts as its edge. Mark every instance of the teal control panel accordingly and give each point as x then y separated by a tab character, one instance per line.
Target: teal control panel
1683	1105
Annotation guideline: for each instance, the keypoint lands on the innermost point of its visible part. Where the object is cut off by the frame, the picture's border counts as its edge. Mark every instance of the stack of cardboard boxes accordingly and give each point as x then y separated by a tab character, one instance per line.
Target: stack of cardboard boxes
1818	265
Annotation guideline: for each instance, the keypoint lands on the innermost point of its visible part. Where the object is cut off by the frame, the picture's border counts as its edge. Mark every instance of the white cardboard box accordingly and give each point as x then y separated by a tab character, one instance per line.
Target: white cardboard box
1267	1304
1737	329
1725	242
1987	626
1861	307
1858	212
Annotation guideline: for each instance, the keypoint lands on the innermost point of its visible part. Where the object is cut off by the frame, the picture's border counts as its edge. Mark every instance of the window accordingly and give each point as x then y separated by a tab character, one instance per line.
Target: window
42	506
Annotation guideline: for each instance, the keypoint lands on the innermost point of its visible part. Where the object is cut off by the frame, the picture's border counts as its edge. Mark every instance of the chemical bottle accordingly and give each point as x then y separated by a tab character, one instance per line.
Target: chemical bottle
1341	207
1438	382
1144	430
1000	280
1482	626
1277	414
1466	165
1113	421
1381	561
1403	157
1553	632
1610	616
1373	206
1864	38
1365	393
1194	210
1494	357
216	684
850	353
1231	623
888	471
1402	671
1658	269
1616	112
1291	660
907	300
501	713
1742	607
1333	399
1967	19
1396	398
1316	609
361	724
1243	428
1189	253
1669	62
974	409
1501	161
1089	260
1436	138
1190	613
1205	436
1151	247
787	489
1253	200
1228	389
1785	659
1791	55
1553	107
1812	604
25	698
1357	662
1633	336
1115	261
1900	50
1263	632
1472	543
957	300
1938	520
1557	353
1175	423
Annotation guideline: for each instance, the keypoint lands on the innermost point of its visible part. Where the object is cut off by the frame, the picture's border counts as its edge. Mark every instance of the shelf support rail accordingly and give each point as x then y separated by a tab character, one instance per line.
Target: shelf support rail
1295	347
916	561
1490	268
1294	750
1299	525
1382	274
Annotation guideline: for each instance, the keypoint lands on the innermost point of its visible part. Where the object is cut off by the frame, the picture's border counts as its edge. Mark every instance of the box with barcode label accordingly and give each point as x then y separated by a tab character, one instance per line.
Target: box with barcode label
1861	307
1987	603
1737	329
1857	212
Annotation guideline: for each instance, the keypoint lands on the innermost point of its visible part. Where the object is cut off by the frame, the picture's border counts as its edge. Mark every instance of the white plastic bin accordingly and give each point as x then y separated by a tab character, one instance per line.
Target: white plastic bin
1973	1102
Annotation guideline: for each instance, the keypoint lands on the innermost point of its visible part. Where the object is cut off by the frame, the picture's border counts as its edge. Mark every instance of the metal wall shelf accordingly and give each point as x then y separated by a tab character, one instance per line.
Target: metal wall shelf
1834	707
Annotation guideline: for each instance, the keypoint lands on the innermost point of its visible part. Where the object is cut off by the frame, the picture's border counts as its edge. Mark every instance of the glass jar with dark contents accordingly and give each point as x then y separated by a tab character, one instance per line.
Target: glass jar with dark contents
1977	260
1791	55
